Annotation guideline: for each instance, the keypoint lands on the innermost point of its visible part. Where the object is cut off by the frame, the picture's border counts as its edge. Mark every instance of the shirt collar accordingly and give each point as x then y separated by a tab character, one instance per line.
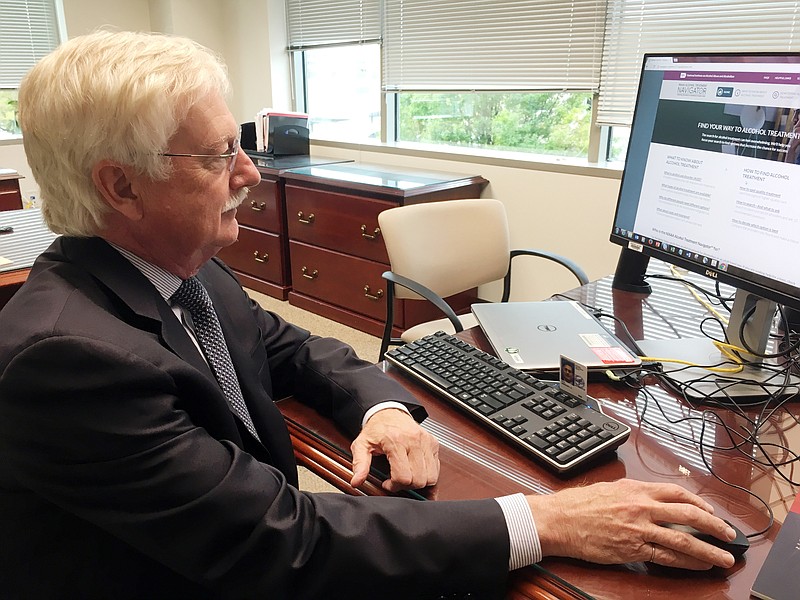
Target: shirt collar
165	282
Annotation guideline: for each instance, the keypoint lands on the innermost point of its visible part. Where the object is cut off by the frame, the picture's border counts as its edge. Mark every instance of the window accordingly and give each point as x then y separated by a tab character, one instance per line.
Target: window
484	87
335	46
635	27
543	123
29	29
9	128
342	92
512	75
521	74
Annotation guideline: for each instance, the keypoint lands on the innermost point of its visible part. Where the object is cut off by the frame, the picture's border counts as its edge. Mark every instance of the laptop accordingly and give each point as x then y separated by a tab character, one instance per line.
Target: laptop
532	336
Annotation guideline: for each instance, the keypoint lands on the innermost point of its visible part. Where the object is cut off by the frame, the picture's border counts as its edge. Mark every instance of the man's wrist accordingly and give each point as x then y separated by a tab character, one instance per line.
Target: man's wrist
383	406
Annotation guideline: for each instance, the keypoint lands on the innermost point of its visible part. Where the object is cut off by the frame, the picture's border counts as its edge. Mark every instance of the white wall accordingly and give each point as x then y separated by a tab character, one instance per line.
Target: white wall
256	30
559	211
84	16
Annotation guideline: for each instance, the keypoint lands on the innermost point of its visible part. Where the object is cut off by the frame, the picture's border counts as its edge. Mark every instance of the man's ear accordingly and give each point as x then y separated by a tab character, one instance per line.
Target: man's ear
115	185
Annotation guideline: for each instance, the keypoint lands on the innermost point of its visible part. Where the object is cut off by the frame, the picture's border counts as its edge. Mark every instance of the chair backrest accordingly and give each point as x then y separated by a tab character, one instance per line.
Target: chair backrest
448	246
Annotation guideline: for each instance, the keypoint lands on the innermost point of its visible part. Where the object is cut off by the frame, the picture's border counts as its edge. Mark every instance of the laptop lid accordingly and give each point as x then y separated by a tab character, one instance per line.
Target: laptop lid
532	336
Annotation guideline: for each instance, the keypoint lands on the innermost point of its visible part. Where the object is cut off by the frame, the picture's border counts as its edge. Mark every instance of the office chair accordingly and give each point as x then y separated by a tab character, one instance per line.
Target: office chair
438	249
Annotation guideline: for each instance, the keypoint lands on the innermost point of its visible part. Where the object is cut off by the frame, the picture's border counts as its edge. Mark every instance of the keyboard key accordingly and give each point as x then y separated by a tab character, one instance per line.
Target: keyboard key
589	443
537	442
568	455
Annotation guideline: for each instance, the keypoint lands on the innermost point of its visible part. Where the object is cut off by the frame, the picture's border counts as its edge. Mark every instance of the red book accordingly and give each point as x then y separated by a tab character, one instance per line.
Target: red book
777	579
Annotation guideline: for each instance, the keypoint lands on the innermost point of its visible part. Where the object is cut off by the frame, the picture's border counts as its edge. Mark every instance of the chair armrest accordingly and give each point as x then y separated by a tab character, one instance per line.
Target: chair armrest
426	293
562	260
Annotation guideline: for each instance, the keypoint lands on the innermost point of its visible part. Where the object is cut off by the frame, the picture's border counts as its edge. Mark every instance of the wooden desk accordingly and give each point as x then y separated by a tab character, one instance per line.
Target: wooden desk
475	464
261	256
29	239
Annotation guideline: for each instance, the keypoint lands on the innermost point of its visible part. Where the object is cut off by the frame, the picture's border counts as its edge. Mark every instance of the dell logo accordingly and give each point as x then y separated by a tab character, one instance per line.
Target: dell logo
711	273
546	328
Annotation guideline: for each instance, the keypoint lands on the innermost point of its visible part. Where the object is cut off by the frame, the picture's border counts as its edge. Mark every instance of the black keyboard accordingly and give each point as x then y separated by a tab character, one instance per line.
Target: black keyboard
555	428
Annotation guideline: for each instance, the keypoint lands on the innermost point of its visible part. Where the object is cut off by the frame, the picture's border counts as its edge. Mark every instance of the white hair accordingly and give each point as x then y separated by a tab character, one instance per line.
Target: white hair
119	96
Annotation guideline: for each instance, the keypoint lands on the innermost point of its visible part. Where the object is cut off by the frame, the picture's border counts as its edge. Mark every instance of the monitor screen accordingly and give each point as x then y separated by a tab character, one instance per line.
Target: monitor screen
712	177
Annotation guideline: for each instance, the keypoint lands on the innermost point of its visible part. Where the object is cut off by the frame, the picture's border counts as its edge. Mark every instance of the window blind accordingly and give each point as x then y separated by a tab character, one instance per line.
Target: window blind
634	27
492	45
314	23
28	31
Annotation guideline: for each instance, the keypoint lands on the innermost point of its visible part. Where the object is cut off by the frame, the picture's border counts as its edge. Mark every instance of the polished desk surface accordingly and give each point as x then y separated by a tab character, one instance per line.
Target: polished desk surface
475	464
21	247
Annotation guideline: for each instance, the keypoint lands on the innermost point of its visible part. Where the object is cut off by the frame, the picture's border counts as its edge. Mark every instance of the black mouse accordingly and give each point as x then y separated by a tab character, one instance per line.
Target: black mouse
737	547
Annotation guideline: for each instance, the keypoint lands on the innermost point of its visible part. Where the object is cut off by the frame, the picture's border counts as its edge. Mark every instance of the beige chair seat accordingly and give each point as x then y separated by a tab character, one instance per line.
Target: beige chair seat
419	331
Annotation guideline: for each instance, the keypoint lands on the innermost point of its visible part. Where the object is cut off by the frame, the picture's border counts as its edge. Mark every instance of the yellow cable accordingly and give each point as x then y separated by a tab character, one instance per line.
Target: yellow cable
727	350
709	307
737	369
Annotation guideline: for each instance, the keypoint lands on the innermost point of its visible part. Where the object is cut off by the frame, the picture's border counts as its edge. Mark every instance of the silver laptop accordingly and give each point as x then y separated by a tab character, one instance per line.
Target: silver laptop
532	336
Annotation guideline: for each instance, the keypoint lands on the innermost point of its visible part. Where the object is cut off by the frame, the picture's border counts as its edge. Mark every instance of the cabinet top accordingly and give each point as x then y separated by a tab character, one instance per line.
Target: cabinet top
381	177
8	174
278	164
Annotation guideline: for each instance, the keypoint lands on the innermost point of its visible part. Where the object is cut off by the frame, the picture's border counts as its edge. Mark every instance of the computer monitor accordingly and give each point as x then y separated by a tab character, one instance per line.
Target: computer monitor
712	184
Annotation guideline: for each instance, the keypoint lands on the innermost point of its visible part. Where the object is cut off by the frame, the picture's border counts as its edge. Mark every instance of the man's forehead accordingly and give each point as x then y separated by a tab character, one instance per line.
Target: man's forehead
208	124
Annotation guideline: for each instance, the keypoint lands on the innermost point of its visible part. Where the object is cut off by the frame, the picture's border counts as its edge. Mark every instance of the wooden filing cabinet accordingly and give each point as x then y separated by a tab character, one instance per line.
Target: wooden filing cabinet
261	256
10	195
336	251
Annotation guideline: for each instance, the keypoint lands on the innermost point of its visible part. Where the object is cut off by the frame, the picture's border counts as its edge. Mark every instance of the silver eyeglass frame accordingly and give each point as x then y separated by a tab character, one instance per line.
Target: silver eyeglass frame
231	155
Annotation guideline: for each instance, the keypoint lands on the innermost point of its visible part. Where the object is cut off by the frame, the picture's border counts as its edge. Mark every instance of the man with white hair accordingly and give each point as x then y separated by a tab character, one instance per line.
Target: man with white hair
143	455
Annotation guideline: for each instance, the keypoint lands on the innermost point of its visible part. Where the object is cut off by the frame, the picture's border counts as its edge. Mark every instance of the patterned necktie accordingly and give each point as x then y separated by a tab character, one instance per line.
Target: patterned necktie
193	297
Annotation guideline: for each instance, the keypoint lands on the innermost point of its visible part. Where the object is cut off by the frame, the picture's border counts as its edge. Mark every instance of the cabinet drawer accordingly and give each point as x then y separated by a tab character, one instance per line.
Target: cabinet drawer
348	281
257	253
262	208
10	196
335	221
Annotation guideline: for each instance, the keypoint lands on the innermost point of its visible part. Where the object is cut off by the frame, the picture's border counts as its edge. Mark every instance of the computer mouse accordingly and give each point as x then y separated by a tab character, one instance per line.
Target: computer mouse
737	547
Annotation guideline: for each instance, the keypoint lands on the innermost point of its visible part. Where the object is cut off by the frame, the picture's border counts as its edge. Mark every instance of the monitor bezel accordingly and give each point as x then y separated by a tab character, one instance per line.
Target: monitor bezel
765	287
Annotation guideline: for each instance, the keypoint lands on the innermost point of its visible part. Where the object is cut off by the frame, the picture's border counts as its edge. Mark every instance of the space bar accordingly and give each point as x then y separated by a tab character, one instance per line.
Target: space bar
428	374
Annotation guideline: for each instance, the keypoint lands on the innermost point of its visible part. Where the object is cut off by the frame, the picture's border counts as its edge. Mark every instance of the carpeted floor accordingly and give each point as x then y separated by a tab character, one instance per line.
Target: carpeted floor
365	345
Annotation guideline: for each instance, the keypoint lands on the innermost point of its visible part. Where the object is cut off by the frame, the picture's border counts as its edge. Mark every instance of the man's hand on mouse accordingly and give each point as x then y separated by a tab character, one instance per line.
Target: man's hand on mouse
620	522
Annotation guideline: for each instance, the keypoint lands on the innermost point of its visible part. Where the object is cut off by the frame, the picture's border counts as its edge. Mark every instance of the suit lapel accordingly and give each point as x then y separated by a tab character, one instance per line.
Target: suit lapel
136	294
143	307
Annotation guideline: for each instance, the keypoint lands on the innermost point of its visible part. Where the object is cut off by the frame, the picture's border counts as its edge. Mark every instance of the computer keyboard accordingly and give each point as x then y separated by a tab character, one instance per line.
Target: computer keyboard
553	427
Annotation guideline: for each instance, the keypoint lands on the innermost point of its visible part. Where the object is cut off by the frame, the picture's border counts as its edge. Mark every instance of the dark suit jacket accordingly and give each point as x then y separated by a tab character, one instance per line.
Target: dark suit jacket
124	473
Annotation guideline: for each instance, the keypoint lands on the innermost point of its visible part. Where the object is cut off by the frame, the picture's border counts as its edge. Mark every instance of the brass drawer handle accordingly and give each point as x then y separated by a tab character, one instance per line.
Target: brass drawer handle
258	205
370	236
303	219
312	275
376	296
262	258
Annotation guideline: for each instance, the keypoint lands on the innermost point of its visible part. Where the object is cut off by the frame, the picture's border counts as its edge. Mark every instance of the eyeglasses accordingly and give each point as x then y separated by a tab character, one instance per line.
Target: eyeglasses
230	156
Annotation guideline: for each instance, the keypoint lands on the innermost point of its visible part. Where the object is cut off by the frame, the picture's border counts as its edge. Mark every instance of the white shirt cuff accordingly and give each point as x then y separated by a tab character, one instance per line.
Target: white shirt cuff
525	548
382	406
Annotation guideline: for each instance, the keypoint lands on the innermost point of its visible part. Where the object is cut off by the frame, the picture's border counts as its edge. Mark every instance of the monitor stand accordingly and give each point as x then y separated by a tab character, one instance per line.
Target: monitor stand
698	384
751	318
